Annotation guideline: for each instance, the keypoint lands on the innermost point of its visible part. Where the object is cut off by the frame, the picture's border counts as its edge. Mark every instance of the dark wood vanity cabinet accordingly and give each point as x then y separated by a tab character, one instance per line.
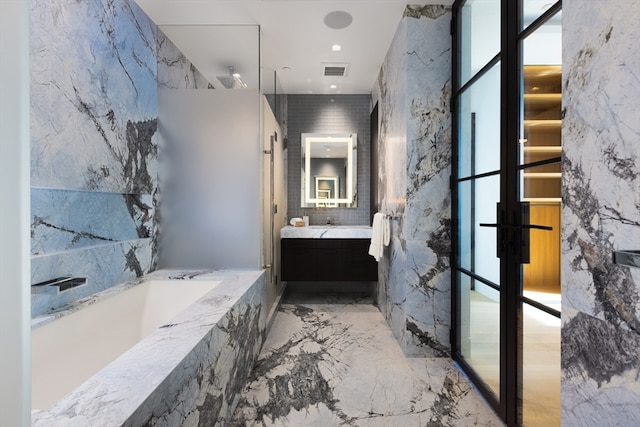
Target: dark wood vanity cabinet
328	260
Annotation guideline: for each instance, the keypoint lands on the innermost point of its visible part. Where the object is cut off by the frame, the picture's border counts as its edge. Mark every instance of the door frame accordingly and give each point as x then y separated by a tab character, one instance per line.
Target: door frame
509	404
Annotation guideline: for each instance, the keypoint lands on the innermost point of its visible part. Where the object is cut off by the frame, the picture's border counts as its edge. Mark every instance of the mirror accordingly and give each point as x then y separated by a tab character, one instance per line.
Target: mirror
329	170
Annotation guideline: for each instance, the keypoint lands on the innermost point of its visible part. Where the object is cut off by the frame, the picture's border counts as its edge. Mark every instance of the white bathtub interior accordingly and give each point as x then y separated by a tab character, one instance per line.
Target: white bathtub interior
69	350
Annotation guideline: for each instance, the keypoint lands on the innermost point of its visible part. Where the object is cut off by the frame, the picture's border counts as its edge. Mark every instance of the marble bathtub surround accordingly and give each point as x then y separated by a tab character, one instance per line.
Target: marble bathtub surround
187	372
331	360
327	232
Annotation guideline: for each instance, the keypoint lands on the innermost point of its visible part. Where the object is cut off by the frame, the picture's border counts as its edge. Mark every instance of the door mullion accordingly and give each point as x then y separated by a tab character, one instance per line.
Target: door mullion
510	321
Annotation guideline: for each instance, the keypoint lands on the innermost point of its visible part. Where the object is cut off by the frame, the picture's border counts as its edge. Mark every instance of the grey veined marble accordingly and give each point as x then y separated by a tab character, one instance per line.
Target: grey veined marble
413	92
600	213
187	372
328	232
329	364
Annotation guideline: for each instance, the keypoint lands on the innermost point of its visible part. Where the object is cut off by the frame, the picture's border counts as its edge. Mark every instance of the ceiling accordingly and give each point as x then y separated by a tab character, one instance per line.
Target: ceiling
216	34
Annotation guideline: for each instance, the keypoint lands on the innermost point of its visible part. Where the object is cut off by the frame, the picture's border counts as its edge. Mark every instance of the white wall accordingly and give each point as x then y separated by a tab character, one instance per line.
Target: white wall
14	214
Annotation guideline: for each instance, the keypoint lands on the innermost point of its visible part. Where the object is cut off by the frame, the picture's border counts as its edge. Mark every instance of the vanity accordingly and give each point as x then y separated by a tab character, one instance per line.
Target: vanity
328	254
328	180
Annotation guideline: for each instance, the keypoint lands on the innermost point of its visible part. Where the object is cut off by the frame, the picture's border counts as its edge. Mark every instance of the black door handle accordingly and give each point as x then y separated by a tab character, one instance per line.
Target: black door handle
522	240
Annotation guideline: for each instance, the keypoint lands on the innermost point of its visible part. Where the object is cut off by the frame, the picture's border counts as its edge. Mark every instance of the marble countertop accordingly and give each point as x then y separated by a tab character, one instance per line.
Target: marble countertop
327	232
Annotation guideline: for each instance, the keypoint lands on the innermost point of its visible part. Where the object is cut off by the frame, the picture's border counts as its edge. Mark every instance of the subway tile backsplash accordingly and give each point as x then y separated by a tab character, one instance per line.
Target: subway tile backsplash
328	114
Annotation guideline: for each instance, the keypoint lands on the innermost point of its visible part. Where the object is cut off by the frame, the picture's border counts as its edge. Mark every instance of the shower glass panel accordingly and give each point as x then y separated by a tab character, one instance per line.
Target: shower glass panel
210	148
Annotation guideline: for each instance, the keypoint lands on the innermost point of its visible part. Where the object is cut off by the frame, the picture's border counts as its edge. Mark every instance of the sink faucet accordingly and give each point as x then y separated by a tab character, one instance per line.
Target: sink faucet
328	220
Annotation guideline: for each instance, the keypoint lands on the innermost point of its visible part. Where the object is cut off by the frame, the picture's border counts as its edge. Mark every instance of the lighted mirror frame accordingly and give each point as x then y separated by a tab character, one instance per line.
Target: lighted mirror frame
306	144
333	180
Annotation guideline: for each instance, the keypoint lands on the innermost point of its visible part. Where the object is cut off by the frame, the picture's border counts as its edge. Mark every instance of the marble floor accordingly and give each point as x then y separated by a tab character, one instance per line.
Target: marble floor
333	361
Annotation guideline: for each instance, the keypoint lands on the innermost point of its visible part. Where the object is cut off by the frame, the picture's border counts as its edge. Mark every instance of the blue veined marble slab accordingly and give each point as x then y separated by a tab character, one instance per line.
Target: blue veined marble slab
93	96
63	220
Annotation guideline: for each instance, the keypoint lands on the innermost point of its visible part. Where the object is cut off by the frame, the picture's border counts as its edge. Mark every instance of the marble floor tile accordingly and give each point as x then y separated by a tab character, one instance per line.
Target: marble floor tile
334	362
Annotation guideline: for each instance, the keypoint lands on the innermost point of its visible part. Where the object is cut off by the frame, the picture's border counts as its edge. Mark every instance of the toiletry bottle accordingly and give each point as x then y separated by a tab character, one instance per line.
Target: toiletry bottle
305	218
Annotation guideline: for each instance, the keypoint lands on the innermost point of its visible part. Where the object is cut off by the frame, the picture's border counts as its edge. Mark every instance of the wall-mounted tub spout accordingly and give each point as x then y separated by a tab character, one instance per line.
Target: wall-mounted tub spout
57	285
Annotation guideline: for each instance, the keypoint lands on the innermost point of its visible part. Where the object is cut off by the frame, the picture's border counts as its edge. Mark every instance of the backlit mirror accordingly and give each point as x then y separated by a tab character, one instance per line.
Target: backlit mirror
329	170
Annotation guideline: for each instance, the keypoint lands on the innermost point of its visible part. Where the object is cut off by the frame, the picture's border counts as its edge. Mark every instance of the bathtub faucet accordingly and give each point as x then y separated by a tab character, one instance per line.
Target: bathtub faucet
57	285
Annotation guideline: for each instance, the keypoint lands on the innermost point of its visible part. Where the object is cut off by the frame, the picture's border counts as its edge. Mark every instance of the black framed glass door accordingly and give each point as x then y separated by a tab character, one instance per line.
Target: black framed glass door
506	185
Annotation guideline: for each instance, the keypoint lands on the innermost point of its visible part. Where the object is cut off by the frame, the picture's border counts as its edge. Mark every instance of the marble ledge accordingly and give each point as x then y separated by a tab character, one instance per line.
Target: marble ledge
327	232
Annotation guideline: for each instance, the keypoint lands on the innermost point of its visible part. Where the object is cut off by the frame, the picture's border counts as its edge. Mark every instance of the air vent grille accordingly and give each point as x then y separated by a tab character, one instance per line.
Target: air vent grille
334	71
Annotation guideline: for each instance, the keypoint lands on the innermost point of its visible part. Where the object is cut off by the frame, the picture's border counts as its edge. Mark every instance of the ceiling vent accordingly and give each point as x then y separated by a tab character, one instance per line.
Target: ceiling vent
335	70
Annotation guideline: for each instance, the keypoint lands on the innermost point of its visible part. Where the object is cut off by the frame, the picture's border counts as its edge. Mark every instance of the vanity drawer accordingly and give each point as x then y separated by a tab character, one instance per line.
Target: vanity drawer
298	259
327	260
358	265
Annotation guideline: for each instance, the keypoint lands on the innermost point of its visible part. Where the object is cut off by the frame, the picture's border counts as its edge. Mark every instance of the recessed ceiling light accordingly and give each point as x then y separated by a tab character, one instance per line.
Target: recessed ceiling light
286	68
333	86
336	48
338	20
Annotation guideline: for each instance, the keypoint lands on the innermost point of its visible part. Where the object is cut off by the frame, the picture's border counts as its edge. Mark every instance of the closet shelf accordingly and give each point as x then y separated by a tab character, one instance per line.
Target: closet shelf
542	199
542	174
542	98
543	149
543	124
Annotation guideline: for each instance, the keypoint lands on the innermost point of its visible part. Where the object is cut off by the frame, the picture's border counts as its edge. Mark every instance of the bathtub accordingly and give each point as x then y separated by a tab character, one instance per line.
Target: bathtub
173	348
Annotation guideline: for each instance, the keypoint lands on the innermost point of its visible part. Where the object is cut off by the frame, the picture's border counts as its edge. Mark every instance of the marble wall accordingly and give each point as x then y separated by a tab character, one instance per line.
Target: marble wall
93	145
95	72
413	93
601	213
175	71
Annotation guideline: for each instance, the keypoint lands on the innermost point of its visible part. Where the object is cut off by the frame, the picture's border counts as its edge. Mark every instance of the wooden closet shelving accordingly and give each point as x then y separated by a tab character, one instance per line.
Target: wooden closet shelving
541	185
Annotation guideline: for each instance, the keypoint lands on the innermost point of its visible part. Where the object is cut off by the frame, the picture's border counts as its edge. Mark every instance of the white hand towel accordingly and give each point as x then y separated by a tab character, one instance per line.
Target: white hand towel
386	230
378	236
